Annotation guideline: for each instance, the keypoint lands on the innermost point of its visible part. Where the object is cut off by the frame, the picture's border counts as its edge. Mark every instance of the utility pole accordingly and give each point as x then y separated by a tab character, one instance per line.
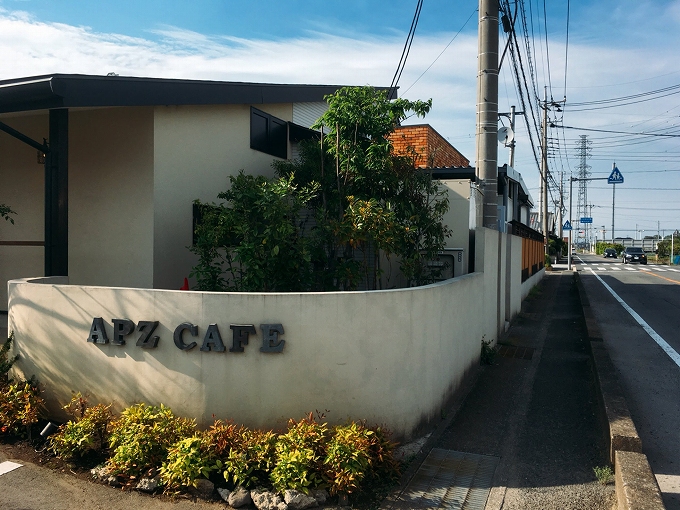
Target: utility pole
613	201
511	161
487	110
670	262
544	167
561	211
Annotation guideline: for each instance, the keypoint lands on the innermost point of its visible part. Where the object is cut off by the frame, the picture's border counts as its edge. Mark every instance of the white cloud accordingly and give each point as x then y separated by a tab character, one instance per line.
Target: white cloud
32	47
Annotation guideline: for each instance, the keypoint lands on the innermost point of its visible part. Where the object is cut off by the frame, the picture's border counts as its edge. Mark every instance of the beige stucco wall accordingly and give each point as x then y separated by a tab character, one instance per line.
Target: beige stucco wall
392	357
513	277
22	188
531	282
111	197
457	217
196	149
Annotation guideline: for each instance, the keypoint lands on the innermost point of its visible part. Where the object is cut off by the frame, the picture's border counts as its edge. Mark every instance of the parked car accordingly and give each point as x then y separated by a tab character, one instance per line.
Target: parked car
609	253
633	254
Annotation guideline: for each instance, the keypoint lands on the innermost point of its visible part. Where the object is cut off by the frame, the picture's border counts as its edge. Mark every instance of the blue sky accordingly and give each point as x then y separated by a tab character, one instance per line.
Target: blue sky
616	48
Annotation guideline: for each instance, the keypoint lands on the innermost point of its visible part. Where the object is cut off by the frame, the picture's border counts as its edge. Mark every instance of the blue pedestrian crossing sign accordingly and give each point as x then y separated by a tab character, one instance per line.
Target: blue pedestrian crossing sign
567	225
615	177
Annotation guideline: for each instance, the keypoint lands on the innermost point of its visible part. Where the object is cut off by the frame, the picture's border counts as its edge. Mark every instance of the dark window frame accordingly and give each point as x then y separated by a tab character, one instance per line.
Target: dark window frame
268	134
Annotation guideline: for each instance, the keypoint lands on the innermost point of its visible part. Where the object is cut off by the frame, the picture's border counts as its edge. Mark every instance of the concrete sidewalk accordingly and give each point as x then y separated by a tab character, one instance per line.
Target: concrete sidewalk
535	411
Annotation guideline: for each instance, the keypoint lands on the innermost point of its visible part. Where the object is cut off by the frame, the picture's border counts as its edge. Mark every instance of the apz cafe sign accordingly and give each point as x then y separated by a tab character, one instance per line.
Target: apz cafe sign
212	340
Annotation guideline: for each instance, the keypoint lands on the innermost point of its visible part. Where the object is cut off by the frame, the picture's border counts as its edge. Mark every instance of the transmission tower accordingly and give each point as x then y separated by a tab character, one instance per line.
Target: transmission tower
583	147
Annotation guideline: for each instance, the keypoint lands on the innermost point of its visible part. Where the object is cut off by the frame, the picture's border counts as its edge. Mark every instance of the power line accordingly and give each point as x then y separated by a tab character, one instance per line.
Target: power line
407	48
446	48
626	98
621	132
641	189
566	49
606	106
547	49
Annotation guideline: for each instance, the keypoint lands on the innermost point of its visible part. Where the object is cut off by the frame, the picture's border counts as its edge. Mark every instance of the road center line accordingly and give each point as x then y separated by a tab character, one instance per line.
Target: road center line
655	336
664	278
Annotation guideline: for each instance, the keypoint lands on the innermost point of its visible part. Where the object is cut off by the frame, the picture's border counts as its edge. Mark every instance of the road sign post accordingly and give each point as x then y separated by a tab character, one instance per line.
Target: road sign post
616	177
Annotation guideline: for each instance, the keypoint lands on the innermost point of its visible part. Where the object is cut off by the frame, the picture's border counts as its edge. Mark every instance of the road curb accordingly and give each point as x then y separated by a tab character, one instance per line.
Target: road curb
636	486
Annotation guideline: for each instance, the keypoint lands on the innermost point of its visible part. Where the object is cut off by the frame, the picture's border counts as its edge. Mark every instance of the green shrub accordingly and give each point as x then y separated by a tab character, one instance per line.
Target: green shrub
384	465
223	436
20	405
251	457
141	437
189	460
88	432
604	474
299	456
383	473
488	353
348	457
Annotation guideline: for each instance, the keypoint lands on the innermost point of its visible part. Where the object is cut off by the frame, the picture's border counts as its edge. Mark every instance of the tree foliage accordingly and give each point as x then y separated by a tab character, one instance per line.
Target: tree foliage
664	246
332	215
5	212
253	242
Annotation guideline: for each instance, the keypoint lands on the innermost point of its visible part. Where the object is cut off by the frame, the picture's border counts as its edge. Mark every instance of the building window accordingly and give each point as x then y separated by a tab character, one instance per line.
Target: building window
268	134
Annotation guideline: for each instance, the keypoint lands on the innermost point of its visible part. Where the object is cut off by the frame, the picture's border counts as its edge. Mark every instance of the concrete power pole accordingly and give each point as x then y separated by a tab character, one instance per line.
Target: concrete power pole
487	110
544	168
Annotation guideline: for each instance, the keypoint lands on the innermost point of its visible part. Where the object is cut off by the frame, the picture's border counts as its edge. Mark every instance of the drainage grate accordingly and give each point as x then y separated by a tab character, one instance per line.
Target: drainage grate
511	351
448	479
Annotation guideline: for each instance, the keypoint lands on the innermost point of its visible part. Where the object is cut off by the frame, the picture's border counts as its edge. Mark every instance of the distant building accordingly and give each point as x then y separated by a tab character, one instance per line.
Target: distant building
436	154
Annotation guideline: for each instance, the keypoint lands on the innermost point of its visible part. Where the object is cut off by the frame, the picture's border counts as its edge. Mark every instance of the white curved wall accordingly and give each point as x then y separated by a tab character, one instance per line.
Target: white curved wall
390	357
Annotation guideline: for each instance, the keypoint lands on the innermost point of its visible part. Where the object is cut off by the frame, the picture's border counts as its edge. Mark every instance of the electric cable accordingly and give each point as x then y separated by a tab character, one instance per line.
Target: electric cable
547	49
442	52
626	98
622	132
566	49
407	48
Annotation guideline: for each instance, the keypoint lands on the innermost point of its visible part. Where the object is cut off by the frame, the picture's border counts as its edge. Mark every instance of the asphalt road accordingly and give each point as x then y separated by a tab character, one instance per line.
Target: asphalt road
638	310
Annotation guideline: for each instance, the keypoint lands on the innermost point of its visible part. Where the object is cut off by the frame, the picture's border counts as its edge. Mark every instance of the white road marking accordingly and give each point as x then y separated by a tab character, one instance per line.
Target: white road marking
655	336
645	269
630	268
614	268
674	270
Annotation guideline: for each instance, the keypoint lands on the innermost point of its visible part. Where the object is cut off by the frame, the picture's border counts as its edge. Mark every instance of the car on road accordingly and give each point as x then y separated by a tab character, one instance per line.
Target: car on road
633	254
609	252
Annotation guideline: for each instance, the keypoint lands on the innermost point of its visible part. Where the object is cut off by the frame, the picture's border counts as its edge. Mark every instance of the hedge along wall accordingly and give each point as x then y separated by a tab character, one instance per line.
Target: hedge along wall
391	357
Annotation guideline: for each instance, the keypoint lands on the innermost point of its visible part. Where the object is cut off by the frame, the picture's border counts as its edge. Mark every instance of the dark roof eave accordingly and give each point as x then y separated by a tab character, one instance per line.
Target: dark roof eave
453	172
72	91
